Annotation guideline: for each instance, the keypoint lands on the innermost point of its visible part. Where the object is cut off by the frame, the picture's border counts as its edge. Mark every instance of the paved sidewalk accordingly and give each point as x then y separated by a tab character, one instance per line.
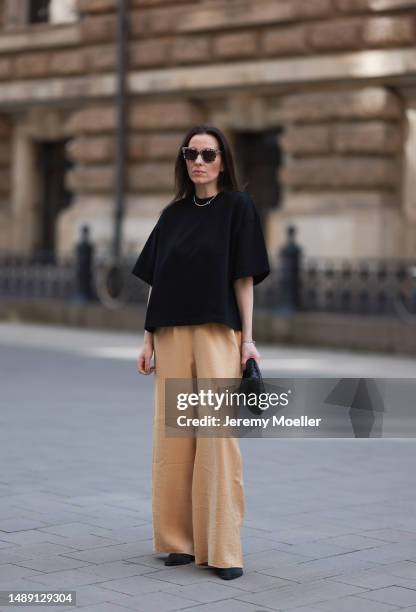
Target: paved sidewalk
330	525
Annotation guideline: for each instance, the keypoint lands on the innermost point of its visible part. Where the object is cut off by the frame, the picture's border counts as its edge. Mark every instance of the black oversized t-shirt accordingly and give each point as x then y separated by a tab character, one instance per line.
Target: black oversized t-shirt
193	255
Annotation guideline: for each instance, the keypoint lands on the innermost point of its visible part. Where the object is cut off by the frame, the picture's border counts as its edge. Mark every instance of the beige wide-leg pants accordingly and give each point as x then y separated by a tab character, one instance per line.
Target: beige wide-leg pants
197	491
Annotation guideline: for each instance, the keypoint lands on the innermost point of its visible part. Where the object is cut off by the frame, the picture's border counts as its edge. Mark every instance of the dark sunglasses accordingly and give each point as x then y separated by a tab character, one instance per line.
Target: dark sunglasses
208	155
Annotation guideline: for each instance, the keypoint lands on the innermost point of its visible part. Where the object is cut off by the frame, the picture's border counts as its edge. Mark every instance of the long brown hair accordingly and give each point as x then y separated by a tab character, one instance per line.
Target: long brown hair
226	179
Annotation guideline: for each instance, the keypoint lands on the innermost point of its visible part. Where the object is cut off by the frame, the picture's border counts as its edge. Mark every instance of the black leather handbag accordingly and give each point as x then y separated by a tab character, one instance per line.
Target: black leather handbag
252	382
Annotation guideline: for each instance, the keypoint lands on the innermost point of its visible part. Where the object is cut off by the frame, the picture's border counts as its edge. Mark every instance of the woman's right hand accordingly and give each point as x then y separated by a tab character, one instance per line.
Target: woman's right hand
144	359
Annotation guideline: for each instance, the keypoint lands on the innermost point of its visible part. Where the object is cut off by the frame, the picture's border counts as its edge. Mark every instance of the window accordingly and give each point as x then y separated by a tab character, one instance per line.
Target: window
39	11
258	158
19	13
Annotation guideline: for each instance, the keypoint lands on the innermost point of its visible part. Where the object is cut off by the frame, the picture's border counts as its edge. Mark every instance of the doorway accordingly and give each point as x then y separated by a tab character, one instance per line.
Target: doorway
52	164
258	158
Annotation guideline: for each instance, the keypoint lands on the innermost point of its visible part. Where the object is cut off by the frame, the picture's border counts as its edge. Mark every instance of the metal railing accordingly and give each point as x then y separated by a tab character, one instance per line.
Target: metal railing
314	284
33	277
369	286
360	286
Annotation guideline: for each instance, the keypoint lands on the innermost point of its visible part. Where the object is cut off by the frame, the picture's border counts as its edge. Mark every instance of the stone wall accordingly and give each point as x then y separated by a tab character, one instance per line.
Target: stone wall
343	141
166	33
154	131
342	144
343	170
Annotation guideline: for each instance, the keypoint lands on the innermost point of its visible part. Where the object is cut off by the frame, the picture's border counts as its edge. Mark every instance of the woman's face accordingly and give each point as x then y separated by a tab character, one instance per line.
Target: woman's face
199	171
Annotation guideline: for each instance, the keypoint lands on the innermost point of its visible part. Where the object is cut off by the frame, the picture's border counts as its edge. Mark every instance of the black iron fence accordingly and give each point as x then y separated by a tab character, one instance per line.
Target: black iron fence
68	278
315	284
362	286
369	286
35	277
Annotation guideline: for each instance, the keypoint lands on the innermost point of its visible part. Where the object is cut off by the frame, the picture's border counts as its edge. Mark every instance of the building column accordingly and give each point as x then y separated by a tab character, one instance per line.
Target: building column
408	187
23	189
15	13
409	162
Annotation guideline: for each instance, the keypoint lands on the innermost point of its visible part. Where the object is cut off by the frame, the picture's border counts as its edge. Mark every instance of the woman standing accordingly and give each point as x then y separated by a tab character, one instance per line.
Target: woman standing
201	260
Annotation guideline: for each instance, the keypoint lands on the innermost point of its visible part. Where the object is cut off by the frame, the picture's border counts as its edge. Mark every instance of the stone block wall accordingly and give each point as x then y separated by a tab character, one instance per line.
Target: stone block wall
155	129
167	33
343	143
343	139
343	172
342	146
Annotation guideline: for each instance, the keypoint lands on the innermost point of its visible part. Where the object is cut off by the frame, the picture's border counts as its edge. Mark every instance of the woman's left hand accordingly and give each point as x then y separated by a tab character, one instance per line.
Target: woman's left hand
249	350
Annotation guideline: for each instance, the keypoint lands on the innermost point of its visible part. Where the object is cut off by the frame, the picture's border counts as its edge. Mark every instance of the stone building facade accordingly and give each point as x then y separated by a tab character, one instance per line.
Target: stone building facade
318	98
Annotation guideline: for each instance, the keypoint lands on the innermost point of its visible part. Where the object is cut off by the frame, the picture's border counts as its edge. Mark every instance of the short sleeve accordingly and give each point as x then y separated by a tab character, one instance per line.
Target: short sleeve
250	256
145	264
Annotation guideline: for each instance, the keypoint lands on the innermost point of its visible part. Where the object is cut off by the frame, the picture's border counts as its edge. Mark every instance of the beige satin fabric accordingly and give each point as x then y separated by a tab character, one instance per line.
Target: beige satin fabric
197	491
